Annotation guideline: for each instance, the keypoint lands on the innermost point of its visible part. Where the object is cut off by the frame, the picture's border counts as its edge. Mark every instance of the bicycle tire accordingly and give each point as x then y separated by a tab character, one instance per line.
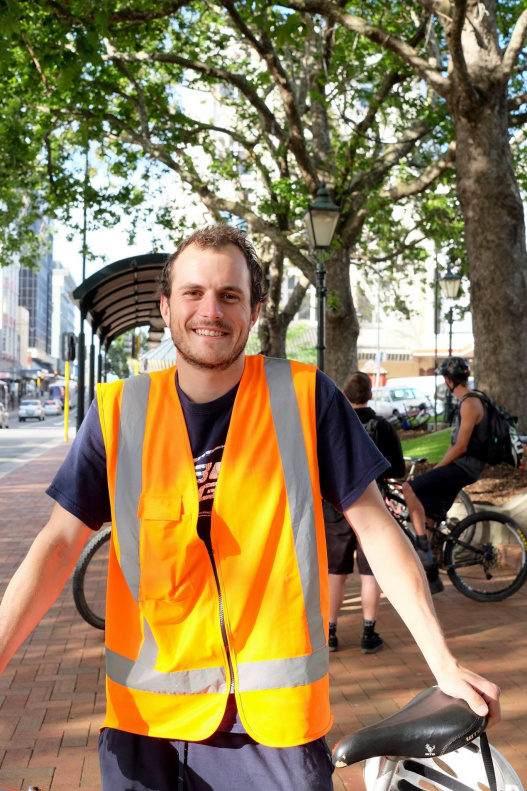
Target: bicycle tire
460	509
79	578
492	565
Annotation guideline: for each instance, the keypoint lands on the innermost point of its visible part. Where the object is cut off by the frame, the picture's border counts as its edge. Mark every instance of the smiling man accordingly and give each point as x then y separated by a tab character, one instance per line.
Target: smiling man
212	474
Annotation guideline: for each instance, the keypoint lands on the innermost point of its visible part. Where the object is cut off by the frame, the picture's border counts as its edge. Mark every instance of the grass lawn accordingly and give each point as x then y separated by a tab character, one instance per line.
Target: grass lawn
433	446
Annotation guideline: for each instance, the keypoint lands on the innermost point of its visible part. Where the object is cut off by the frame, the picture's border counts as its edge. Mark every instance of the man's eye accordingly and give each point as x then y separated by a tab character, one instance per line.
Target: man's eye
230	297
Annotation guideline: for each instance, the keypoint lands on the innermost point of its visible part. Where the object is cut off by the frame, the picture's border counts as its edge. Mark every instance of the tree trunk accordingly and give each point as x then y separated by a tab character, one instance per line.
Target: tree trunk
342	326
273	324
272	332
495	236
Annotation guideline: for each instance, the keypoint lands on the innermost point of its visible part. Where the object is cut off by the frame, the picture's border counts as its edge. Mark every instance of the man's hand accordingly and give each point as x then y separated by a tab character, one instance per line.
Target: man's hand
482	696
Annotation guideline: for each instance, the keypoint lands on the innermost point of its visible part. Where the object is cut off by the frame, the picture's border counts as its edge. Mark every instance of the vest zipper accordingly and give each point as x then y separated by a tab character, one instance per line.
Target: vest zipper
222	614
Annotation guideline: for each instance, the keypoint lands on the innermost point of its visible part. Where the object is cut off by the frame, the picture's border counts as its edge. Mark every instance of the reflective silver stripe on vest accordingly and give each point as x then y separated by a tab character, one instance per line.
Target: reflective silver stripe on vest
128	476
290	437
278	673
131	674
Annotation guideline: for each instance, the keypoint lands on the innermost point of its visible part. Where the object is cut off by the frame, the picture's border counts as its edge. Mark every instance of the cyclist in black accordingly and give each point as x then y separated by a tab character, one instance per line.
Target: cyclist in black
430	496
341	541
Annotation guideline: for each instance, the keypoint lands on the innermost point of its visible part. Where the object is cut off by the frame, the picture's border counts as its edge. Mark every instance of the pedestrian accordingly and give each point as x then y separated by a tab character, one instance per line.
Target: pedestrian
341	541
217	605
430	496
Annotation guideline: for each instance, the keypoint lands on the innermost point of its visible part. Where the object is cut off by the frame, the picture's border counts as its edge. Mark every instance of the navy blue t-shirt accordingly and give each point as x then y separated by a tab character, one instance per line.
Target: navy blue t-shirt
347	458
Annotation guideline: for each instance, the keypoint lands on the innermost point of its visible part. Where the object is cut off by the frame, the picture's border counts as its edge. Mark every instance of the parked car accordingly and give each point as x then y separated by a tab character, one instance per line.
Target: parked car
30	408
52	407
390	400
4	417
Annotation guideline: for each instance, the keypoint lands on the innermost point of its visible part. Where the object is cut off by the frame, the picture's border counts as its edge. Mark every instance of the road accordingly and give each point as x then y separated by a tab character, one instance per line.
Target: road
22	442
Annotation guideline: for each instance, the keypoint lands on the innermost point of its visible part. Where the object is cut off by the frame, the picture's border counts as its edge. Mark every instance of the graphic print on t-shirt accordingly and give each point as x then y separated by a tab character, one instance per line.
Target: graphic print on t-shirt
207	468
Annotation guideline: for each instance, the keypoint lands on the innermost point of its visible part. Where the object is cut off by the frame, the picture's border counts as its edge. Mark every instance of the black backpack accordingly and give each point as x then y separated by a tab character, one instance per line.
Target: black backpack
371	427
504	445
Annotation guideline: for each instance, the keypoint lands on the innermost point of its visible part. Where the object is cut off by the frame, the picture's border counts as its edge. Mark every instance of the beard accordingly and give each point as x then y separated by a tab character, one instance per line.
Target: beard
191	357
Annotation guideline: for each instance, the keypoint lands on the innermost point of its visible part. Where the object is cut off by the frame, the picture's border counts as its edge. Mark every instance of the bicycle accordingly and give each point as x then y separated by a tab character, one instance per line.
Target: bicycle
412	417
89	579
433	742
484	553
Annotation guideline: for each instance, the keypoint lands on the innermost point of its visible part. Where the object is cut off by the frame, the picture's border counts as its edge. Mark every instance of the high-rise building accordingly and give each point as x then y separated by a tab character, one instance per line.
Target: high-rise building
34	293
9	341
64	313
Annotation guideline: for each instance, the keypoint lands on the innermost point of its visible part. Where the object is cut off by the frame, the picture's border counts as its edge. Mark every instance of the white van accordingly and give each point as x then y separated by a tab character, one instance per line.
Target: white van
393	399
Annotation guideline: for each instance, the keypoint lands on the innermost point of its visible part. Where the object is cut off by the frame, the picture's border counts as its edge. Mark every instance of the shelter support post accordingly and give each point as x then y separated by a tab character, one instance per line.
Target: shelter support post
91	385
81	362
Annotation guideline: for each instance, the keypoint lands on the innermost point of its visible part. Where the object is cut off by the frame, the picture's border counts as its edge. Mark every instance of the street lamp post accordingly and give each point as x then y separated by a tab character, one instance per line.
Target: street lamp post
450	284
321	219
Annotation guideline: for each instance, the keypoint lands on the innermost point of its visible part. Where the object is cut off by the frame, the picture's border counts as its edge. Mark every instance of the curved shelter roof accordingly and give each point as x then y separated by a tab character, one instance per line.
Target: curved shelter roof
120	296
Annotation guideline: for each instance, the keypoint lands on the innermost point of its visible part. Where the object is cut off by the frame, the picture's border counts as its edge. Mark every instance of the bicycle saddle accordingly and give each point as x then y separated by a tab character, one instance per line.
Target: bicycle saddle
431	724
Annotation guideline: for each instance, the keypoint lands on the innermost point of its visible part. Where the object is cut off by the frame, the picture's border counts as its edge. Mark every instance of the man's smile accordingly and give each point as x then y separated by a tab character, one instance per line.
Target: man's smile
211	333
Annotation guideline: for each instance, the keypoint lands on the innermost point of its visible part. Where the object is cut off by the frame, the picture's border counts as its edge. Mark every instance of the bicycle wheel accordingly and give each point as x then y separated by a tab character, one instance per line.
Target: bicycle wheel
89	579
460	509
486	556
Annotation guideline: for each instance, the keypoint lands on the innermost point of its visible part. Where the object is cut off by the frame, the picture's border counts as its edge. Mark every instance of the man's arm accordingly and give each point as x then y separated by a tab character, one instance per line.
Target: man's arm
401	577
471	410
39	579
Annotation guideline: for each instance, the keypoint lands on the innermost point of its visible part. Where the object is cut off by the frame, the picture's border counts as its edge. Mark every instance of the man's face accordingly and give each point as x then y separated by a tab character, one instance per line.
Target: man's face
209	310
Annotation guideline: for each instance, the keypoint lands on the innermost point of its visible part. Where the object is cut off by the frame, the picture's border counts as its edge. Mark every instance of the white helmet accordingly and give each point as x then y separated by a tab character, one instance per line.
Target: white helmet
462	769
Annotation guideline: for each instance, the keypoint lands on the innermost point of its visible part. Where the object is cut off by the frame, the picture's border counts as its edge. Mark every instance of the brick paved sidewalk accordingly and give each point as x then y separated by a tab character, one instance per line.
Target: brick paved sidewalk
52	692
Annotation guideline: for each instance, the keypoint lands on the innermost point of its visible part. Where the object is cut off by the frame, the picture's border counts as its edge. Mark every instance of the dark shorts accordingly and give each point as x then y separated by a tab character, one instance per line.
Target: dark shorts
342	544
225	762
437	489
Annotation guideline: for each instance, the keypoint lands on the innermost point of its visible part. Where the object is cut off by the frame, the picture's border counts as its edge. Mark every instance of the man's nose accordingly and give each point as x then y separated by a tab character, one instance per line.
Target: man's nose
210	306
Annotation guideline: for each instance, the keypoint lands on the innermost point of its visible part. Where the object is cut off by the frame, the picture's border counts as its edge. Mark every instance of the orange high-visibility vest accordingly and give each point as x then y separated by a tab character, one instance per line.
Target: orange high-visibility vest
169	671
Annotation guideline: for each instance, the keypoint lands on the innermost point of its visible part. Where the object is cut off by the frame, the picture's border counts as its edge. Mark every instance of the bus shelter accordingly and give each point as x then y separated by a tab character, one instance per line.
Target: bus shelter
116	299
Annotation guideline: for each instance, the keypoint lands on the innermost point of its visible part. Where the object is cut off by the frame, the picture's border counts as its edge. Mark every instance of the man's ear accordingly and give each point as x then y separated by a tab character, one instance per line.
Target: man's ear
164	309
254	314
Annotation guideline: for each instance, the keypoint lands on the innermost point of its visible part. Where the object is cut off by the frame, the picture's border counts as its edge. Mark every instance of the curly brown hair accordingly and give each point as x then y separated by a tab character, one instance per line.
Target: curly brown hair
216	237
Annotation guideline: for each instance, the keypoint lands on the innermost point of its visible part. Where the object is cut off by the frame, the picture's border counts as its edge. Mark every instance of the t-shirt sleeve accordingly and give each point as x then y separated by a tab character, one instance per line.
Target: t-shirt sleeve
348	460
81	485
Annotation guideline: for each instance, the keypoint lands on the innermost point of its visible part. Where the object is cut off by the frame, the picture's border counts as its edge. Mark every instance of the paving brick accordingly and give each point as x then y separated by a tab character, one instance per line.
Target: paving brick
52	692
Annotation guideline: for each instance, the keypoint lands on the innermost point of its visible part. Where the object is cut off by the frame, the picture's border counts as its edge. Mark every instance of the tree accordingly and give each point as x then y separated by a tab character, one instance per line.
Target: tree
121	353
474	60
296	110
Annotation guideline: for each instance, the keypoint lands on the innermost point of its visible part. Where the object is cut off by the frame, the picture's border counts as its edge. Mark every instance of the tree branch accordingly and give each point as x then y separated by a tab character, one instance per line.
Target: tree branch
516	101
36	62
296	298
391	156
134	15
517	120
516	43
379	36
453	35
296	140
269	121
366	123
422	182
141	102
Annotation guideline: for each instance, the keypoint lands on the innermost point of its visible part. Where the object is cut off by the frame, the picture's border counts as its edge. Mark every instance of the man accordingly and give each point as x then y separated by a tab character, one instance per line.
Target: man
341	541
216	624
430	496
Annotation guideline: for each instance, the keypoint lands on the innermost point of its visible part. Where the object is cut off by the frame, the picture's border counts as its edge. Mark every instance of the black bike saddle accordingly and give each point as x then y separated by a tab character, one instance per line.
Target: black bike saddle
431	724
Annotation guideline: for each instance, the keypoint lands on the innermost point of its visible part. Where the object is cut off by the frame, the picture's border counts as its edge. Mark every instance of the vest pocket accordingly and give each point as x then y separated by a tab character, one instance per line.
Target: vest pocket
164	573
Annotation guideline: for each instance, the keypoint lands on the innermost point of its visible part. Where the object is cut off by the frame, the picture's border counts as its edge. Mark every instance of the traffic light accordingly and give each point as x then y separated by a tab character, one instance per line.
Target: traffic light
69	344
